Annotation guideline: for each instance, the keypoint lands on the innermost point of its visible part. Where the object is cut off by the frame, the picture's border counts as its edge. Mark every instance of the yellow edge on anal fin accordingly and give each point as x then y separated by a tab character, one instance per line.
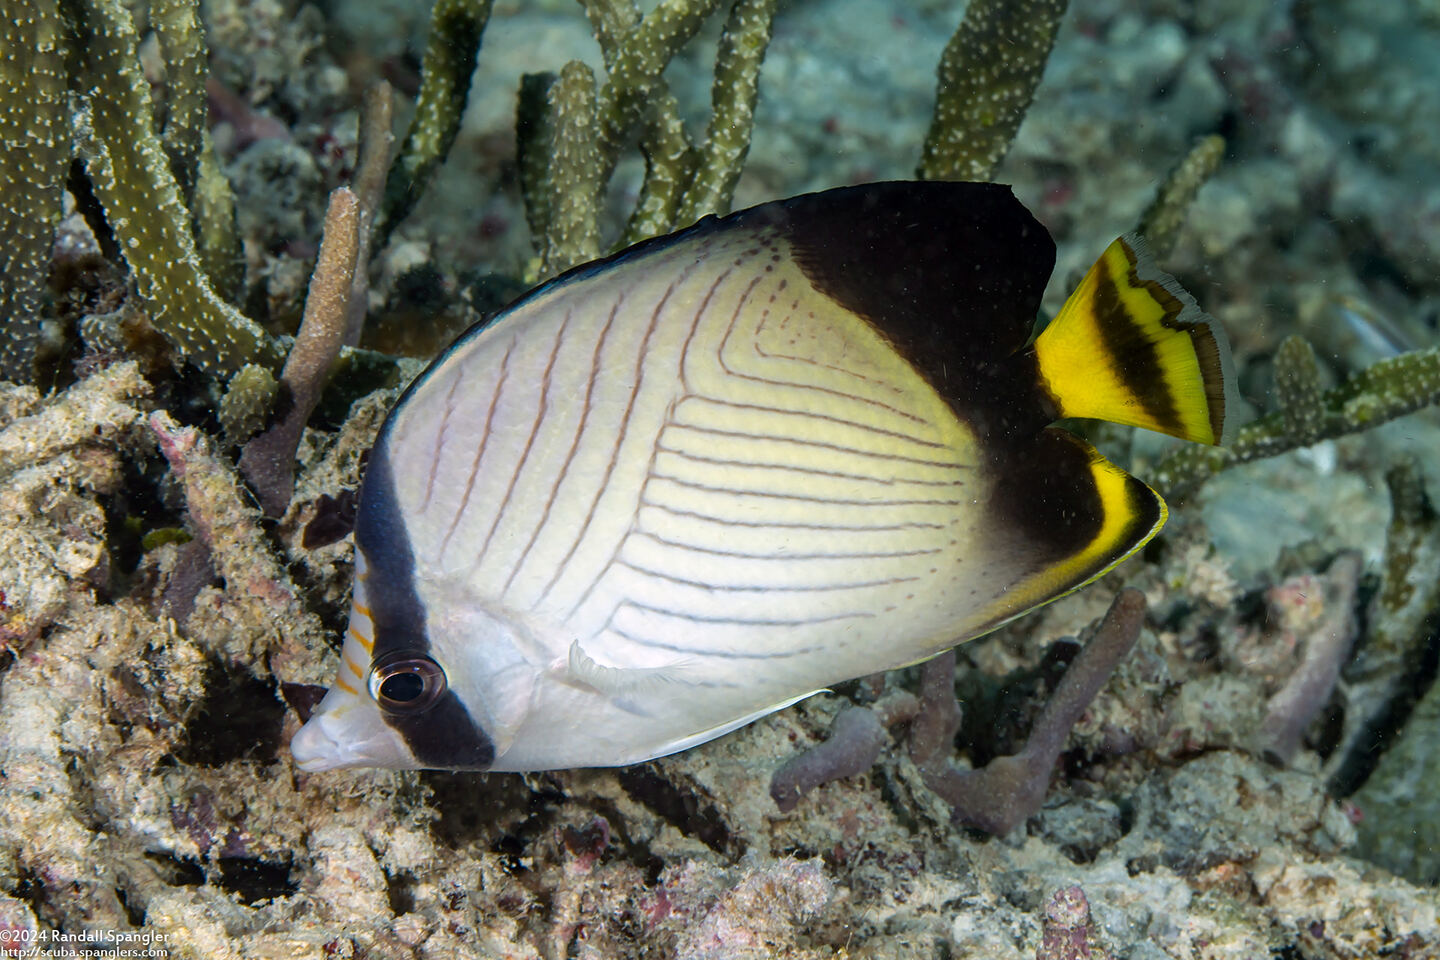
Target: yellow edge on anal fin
1122	500
1131	346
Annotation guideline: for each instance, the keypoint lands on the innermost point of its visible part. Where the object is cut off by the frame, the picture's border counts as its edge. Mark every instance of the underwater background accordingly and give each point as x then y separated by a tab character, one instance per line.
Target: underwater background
1259	777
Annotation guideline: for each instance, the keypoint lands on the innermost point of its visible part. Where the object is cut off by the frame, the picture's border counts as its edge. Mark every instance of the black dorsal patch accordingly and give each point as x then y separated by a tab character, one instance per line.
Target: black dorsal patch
950	273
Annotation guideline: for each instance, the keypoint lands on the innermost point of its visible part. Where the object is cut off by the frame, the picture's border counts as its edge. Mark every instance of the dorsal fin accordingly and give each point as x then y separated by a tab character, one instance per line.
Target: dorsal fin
951	273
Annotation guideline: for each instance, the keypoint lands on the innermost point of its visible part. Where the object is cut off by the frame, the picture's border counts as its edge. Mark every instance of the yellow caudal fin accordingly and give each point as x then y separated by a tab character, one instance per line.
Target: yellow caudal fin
1131	346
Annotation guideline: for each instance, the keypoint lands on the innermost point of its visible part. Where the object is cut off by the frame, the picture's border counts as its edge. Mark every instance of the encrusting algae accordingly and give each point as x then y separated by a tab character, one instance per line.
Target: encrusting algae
148	684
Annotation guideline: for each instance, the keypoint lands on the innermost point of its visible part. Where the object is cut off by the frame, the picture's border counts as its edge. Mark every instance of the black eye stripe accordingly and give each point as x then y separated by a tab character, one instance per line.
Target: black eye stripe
443	735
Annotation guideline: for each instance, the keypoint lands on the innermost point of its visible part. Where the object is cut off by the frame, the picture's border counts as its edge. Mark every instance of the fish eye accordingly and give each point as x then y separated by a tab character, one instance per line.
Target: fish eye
406	682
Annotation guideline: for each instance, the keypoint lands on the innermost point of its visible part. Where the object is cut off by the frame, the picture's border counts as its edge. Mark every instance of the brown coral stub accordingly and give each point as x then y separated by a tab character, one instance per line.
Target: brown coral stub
269	460
1325	638
1003	794
258	589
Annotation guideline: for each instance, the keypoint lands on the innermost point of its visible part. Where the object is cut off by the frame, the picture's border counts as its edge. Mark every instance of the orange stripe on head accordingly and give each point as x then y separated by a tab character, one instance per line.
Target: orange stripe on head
352	666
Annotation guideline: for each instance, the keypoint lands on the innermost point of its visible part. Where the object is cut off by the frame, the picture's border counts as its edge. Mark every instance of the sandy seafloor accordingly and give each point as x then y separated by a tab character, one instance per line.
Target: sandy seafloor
144	780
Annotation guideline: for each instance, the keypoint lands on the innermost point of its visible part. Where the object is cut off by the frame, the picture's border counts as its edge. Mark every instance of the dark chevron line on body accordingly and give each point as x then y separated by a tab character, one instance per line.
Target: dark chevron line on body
841	421
758	588
639	382
740	621
814	471
680	360
574	441
700	312
764	494
724	365
542	408
480	450
870	555
790	525
800	441
705	651
440	440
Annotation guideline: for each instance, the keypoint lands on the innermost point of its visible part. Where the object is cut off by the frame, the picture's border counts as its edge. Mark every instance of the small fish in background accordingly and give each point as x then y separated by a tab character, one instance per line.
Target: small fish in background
1374	336
680	488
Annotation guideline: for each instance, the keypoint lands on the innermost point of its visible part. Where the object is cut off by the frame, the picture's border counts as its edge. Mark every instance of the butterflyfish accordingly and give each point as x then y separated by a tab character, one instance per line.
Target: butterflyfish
679	488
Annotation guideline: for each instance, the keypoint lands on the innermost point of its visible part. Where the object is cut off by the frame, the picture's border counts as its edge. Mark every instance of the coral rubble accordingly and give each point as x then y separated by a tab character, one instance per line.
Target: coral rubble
1256	777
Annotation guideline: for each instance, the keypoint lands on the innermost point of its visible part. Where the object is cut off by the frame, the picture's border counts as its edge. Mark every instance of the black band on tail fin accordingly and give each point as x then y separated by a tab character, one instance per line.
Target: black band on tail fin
1131	346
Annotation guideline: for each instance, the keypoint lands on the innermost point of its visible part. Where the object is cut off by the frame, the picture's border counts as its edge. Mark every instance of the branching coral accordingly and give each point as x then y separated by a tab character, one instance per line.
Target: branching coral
34	153
141	177
570	128
159	189
1396	660
853	744
727	137
1326	646
144	206
999	796
575	176
377	144
987	80
1161	221
116	815
1382	392
456	27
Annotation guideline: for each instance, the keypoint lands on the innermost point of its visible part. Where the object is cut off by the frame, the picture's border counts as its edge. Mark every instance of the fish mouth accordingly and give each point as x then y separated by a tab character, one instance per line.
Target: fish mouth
314	749
331	742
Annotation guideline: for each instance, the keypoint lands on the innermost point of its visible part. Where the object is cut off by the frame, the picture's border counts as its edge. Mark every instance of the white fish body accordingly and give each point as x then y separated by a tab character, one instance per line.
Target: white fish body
658	499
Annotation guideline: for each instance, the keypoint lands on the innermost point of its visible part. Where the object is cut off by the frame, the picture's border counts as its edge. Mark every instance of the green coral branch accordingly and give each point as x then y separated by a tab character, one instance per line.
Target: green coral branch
1378	394
682	183
635	58
534	132
737	85
575	178
1385	679
34	154
611	20
670	163
636	62
987	79
218	241
203	186
131	175
182	40
1160	223
456	28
